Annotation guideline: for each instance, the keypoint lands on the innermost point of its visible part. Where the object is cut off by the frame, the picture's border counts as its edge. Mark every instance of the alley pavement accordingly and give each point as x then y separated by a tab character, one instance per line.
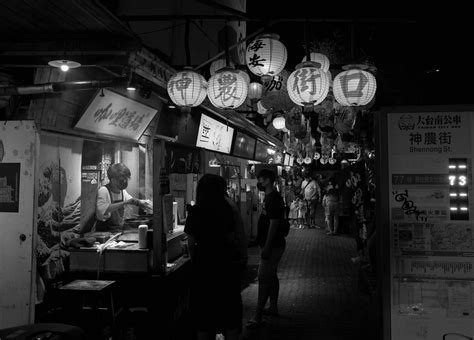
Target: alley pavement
321	297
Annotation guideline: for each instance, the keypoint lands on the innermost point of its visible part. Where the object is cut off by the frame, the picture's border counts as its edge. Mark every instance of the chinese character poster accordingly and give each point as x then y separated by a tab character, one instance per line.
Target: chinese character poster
9	187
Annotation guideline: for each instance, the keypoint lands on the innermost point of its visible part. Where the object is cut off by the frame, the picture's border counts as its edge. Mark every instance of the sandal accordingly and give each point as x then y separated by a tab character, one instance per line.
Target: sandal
254	324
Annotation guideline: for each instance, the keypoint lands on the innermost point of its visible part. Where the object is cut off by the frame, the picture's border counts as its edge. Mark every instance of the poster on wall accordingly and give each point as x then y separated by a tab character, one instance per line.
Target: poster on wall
112	114
431	230
214	135
9	187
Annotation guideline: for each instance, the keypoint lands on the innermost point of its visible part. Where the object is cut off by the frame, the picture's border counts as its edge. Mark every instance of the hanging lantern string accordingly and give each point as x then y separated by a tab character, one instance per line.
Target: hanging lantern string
226	43
186	43
306	39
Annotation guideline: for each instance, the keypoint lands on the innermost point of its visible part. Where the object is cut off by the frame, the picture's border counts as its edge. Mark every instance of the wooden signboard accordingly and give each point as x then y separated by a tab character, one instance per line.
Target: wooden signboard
112	114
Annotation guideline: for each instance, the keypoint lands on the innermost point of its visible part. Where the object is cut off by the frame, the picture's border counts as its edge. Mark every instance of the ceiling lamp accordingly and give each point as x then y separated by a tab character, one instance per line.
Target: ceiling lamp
64	64
227	89
354	87
187	89
320	59
308	85
219	64
266	56
279	122
255	91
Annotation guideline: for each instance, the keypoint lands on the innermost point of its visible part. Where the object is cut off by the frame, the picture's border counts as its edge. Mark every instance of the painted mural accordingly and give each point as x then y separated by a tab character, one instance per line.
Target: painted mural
59	204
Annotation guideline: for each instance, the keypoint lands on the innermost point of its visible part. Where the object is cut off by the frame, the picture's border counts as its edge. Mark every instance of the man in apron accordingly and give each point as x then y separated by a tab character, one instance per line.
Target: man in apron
112	198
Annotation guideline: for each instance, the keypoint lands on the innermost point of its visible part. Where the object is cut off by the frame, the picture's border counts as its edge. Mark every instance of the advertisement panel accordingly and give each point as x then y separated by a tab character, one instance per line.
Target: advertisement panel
214	135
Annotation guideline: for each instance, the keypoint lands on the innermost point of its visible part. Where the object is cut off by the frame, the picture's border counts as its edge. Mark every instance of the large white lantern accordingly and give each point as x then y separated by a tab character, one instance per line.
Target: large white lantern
320	59
187	89
266	56
354	87
308	85
227	89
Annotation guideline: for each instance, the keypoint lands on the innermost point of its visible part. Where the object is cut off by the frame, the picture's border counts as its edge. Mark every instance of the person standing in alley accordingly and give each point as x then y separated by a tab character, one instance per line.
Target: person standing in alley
216	302
312	194
271	240
331	210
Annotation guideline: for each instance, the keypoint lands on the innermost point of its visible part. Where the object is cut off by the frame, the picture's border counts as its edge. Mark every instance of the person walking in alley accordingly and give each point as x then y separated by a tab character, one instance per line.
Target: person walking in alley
217	260
331	210
271	240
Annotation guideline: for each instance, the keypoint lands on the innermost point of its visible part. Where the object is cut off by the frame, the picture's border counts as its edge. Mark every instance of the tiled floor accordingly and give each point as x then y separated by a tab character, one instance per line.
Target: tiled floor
319	293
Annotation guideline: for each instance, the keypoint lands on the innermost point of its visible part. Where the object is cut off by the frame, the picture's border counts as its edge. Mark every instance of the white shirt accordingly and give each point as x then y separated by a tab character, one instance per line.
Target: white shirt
311	191
103	202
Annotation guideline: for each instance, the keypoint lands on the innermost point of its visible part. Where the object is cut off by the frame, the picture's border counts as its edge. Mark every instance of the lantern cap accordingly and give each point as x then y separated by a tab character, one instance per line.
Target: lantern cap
307	63
362	67
188	68
268	35
227	69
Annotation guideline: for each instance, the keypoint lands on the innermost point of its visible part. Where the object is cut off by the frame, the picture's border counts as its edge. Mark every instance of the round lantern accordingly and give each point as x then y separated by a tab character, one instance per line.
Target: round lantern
244	75
323	160
266	56
187	89
307	160
354	87
227	89
332	161
299	160
316	155
219	64
279	122
308	85
255	91
320	59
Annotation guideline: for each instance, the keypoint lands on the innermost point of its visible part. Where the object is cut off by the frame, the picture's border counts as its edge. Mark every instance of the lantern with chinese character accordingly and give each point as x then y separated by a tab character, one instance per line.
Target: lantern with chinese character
354	87
266	56
227	89
308	85
320	59
187	89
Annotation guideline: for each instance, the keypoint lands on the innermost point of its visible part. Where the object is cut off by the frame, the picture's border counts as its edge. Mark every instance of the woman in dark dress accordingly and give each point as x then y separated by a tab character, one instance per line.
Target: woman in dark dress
216	303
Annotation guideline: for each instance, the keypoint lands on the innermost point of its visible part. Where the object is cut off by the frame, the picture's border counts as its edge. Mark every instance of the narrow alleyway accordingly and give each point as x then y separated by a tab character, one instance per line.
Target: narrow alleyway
320	296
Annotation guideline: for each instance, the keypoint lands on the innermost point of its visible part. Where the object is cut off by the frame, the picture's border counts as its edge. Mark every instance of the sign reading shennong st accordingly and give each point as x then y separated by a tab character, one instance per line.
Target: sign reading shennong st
429	133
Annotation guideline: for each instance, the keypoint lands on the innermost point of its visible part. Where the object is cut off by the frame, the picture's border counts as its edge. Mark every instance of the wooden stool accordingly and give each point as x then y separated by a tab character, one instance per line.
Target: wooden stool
96	289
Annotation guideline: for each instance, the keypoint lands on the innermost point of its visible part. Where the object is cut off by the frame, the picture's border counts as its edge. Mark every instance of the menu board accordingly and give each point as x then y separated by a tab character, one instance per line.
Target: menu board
261	151
292	161
214	135
429	160
286	160
244	145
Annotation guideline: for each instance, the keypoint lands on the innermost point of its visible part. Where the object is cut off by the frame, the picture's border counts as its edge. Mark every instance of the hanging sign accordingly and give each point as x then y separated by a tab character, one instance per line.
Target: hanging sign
214	135
116	115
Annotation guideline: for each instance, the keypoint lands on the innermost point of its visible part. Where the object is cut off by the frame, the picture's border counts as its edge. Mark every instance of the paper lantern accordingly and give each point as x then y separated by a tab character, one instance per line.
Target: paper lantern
187	89
320	59
244	75
316	155
255	91
308	85
354	87
227	89
219	64
266	56
275	94
332	161
307	160
279	122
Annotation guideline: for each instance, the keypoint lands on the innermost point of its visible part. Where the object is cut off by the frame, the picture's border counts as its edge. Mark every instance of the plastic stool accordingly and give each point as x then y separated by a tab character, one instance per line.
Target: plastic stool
97	289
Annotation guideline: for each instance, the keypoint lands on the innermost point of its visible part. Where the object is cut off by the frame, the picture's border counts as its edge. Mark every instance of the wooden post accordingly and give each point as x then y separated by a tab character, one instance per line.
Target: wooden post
159	237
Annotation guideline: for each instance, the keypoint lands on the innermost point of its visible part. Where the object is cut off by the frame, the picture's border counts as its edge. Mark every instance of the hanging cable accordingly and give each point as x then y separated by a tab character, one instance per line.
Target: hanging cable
186	43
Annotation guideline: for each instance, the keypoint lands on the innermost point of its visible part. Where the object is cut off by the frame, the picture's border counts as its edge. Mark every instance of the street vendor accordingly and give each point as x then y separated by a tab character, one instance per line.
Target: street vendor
112	199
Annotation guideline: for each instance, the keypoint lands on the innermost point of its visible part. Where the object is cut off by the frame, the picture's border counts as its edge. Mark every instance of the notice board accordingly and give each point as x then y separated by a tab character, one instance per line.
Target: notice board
426	221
